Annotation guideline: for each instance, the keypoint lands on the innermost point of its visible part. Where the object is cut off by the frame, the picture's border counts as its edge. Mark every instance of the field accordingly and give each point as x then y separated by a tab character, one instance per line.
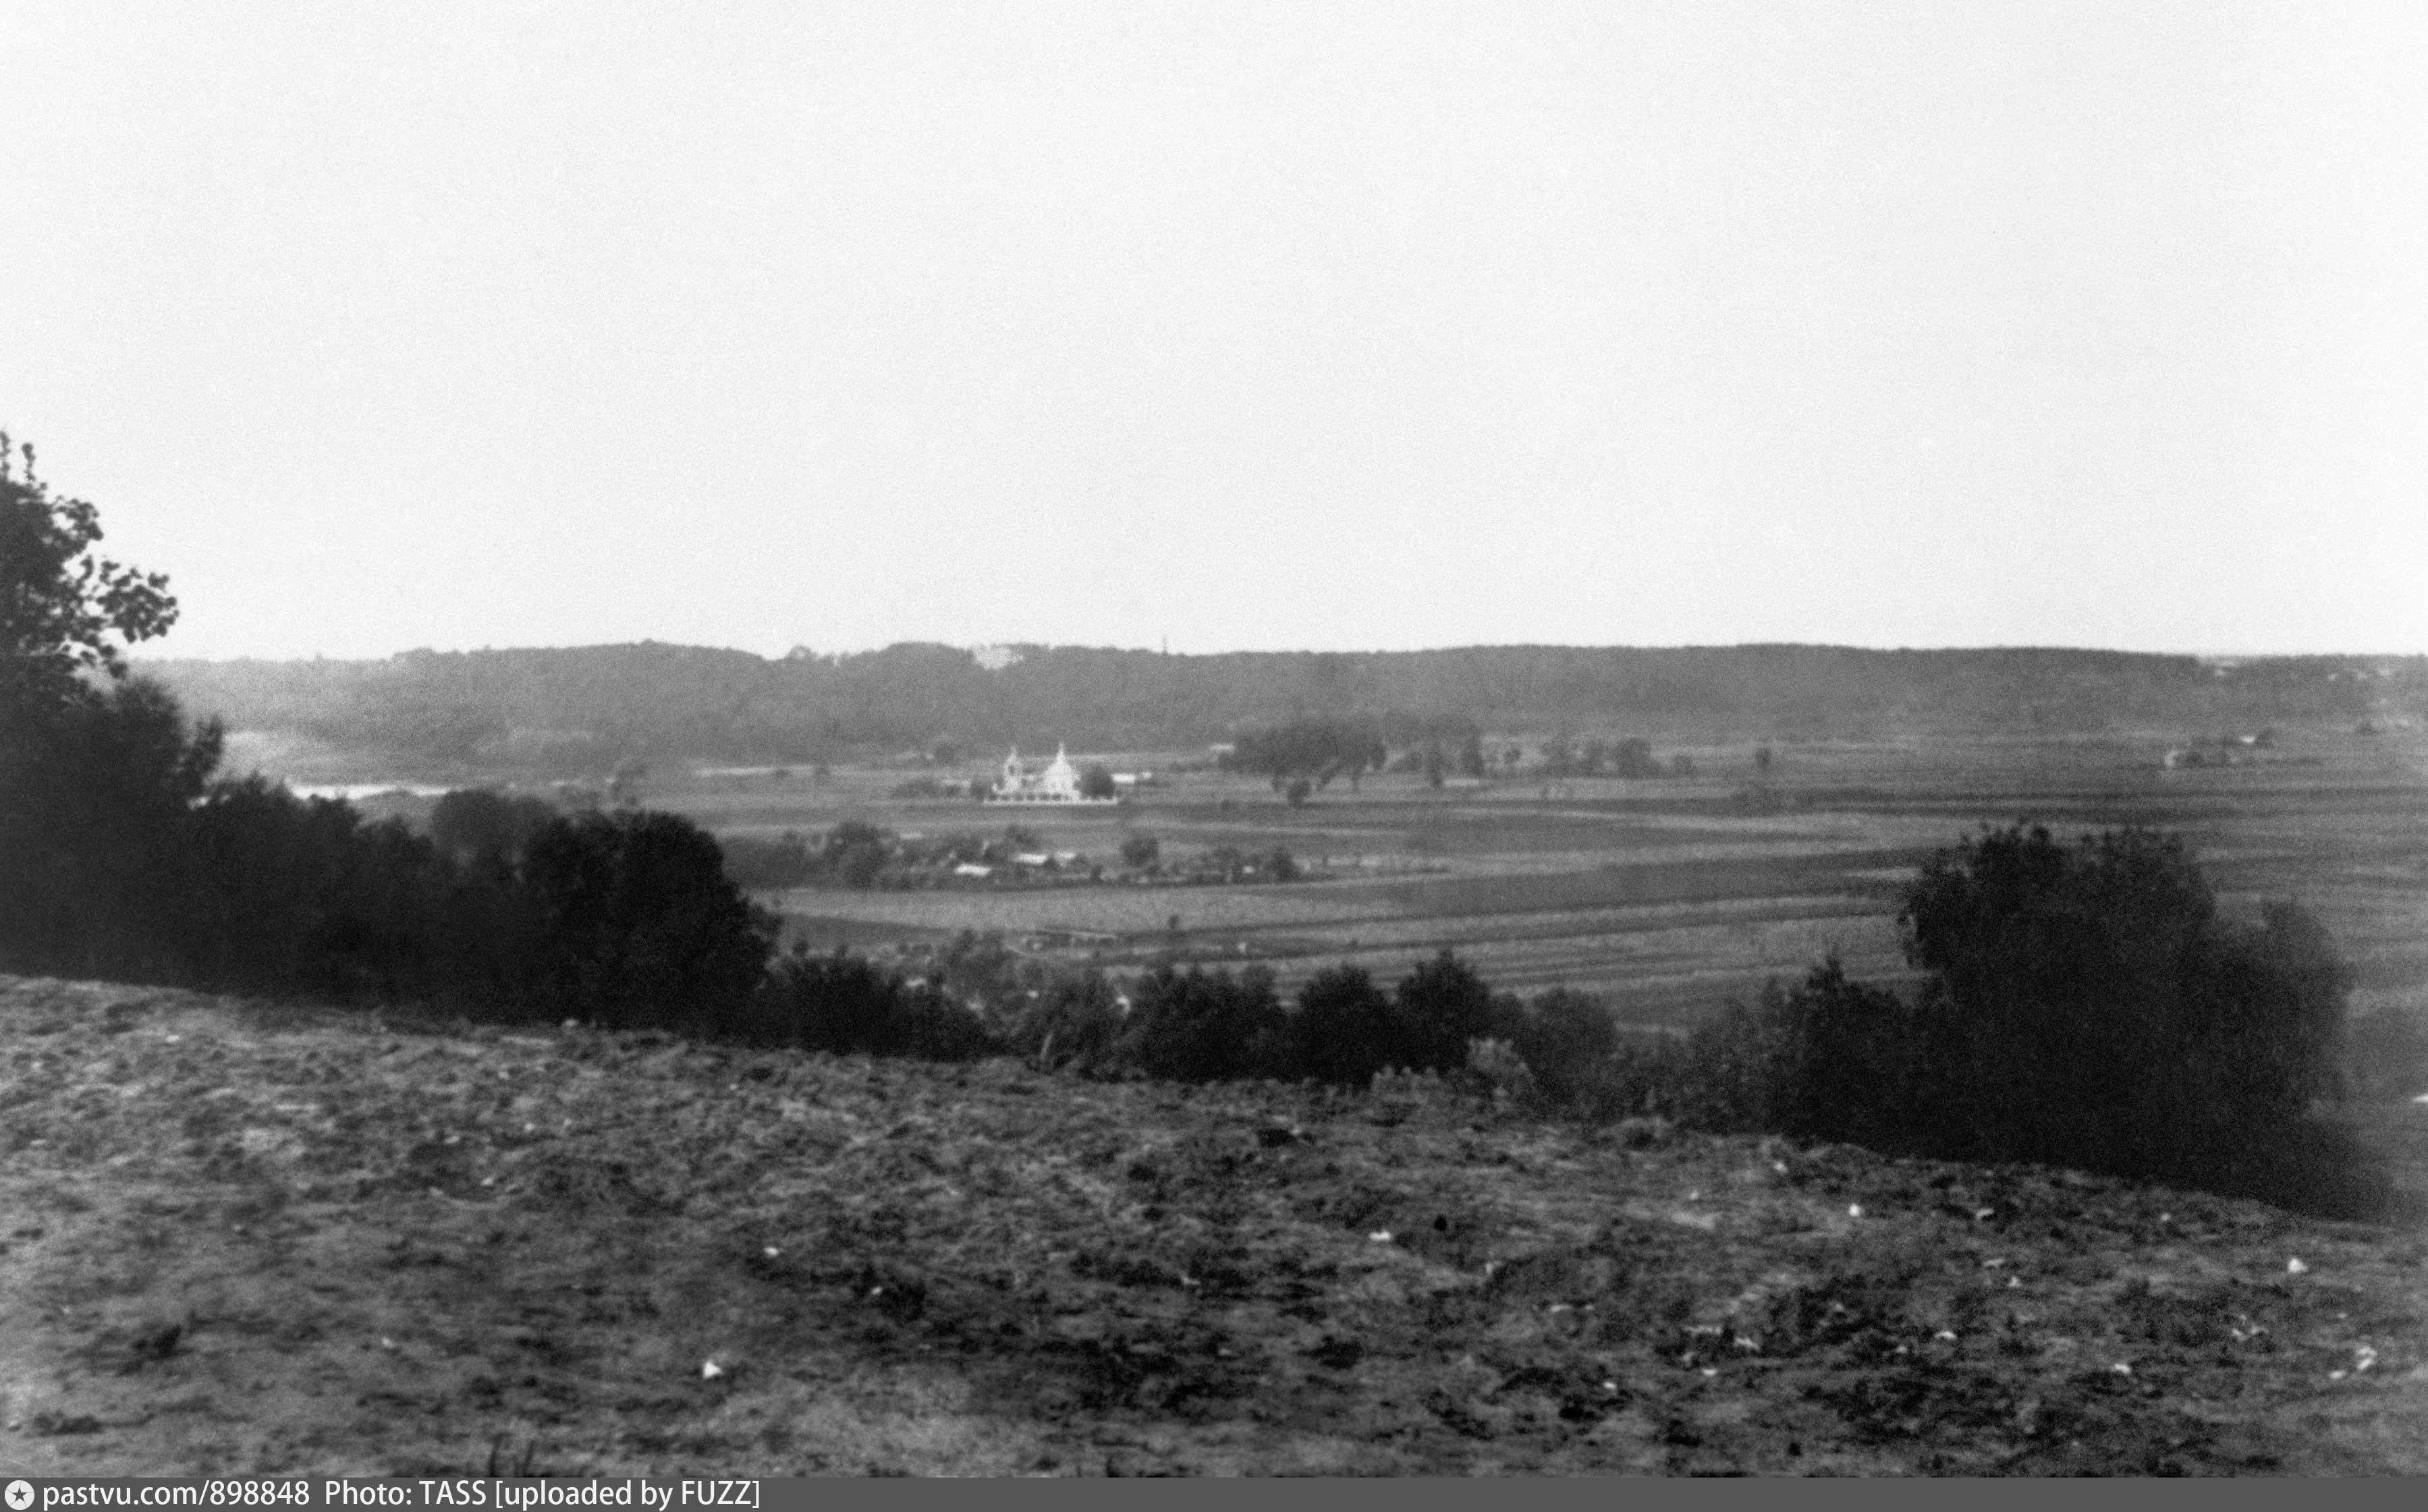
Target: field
243	1240
1671	897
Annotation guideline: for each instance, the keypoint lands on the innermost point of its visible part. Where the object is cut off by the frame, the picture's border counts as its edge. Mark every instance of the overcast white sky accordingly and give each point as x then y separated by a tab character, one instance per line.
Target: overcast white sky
1244	326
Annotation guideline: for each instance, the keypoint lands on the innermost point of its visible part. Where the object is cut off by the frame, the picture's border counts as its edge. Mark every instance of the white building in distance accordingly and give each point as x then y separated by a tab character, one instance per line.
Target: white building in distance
1058	783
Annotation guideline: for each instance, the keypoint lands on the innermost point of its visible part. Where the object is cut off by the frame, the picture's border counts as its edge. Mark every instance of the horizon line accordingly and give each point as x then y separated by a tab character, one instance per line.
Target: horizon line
2211	656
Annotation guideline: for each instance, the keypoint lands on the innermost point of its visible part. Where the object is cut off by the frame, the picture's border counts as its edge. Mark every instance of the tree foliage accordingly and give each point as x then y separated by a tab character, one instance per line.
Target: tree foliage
63	608
2097	1010
1313	751
1200	1025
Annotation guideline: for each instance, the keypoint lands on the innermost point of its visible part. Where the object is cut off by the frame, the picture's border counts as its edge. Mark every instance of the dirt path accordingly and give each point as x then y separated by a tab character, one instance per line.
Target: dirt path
247	1238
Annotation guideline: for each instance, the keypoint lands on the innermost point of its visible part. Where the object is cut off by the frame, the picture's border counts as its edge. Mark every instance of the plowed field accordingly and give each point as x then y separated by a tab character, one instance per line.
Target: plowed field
239	1239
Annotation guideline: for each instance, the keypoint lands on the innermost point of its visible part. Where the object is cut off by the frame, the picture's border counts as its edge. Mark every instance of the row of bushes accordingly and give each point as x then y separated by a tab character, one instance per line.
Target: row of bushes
128	859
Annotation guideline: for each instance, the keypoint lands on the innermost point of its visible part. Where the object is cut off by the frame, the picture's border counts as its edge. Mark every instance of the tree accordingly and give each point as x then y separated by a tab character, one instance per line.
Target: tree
95	786
2087	1005
1206	1027
1138	852
1345	1028
95	778
1633	758
1310	751
470	825
637	922
1097	782
1470	757
1443	1004
63	609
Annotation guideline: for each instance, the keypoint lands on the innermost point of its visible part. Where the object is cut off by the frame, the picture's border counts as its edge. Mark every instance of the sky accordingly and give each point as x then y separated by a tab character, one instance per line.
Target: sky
1237	326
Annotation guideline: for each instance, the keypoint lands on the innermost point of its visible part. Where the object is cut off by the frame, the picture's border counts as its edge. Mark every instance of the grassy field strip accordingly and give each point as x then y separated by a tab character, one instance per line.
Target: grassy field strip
1554	924
1624	963
1253	910
1684	995
1114	910
1608	885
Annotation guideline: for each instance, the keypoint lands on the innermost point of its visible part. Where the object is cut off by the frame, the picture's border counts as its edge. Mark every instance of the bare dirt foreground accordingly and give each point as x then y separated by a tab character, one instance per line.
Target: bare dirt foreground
242	1238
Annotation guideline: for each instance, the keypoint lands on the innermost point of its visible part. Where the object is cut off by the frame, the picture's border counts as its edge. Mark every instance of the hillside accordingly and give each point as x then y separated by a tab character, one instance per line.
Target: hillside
261	1239
593	705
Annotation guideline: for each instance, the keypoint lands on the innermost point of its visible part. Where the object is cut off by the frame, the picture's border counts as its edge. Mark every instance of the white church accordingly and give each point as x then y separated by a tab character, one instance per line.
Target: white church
1058	783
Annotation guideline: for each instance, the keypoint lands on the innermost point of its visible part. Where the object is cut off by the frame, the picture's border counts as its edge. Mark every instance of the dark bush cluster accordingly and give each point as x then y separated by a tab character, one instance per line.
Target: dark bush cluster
132	863
1211	1025
2086	1006
843	1003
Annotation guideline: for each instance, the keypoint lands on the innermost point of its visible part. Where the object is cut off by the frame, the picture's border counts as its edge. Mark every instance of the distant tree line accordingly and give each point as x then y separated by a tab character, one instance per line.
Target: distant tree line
587	708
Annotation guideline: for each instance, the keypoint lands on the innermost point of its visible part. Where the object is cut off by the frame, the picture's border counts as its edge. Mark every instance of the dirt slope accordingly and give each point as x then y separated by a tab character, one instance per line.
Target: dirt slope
247	1238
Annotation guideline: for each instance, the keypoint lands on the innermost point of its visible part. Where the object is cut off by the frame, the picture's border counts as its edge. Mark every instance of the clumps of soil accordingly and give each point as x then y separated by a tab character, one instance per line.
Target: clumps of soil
290	1242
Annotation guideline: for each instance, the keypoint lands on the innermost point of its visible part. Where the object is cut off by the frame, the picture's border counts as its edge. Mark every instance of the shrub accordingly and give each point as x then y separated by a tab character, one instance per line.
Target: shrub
474	825
1200	1025
853	854
1139	852
981	971
847	1005
95	785
2088	1006
1562	1036
635	924
1074	1022
1442	1005
1345	1028
284	895
1825	1059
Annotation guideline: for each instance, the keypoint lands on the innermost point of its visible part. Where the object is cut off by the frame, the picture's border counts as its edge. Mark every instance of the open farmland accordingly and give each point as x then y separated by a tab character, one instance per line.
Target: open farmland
1669	896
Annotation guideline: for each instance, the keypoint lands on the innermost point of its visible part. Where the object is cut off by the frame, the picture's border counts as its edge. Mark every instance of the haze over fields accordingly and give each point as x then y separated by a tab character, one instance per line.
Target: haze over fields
587	708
